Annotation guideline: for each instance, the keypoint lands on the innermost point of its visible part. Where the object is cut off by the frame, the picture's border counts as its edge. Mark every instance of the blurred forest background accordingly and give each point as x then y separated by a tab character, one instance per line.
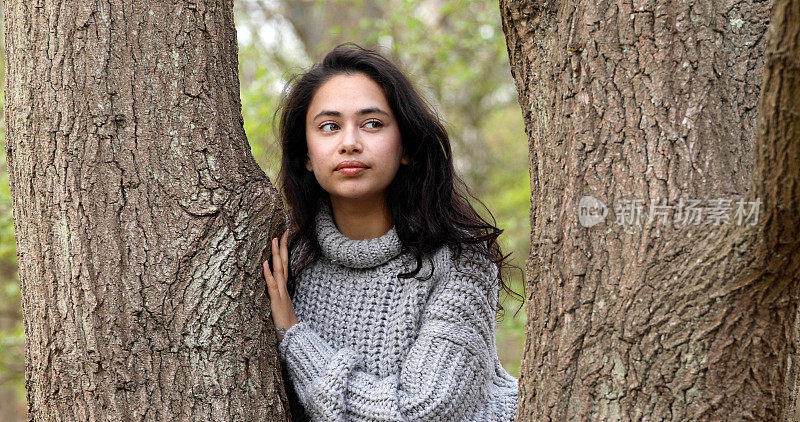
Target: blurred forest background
454	52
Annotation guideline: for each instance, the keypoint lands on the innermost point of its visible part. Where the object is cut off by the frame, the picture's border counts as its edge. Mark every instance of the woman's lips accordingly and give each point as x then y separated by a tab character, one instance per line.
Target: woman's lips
351	171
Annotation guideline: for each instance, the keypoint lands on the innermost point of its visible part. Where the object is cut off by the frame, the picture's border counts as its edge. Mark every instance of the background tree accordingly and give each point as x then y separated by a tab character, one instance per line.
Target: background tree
659	101
141	216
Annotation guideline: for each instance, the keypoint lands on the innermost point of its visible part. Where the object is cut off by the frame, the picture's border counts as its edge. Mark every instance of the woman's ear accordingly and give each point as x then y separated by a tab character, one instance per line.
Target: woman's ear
309	167
404	159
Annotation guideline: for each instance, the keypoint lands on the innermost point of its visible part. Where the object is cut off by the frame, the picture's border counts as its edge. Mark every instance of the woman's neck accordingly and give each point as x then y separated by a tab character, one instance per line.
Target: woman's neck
359	220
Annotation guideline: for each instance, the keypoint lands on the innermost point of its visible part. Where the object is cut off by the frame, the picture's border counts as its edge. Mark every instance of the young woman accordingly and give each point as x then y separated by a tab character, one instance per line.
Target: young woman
386	308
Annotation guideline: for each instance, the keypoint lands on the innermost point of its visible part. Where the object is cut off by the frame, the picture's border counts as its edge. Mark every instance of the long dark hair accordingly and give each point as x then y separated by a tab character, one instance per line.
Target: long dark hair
428	209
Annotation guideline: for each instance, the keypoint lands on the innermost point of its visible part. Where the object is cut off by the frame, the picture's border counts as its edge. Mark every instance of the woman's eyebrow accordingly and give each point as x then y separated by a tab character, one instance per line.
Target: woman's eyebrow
361	112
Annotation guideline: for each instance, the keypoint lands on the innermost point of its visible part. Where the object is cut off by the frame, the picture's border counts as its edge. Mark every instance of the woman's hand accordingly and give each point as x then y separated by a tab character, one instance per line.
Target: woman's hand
282	310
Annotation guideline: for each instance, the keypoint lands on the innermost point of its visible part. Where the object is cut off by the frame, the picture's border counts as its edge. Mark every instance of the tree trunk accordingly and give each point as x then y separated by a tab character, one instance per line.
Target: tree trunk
659	101
316	22
141	217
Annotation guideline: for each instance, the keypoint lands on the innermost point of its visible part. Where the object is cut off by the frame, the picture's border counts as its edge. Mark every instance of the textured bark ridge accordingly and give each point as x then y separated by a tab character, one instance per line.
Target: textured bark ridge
658	101
141	216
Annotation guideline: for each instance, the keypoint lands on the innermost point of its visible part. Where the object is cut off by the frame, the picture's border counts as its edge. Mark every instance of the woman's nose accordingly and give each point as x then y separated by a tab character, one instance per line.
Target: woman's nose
350	139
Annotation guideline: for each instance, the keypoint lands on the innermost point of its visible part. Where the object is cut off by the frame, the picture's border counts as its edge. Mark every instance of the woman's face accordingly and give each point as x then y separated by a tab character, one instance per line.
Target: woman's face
349	118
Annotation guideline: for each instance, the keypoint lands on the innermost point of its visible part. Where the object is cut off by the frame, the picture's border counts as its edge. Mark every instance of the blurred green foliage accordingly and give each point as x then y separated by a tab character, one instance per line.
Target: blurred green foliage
455	54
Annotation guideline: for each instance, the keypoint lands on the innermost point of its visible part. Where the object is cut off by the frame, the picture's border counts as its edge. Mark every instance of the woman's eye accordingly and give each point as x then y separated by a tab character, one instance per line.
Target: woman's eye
326	124
377	122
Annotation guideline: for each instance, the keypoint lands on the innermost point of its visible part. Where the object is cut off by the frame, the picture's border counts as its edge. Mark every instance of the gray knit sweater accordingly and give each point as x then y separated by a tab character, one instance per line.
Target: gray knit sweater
373	347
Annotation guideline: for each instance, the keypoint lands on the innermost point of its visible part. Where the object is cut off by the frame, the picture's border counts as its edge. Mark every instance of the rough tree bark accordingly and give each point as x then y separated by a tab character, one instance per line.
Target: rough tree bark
658	100
141	216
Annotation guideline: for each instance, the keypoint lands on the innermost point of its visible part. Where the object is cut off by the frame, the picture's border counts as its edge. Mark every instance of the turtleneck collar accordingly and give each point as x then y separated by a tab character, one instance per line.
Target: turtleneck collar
364	253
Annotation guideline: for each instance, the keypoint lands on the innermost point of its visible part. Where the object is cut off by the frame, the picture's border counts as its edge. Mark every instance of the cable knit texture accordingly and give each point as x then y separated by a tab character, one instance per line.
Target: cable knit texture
370	346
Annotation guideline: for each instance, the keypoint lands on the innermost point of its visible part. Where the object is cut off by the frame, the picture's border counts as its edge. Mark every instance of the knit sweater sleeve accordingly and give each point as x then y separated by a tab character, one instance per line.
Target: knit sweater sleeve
445	375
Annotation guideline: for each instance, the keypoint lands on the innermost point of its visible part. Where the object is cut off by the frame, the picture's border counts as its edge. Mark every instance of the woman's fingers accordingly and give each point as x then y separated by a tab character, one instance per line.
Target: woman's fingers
277	268
276	279
284	253
272	285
